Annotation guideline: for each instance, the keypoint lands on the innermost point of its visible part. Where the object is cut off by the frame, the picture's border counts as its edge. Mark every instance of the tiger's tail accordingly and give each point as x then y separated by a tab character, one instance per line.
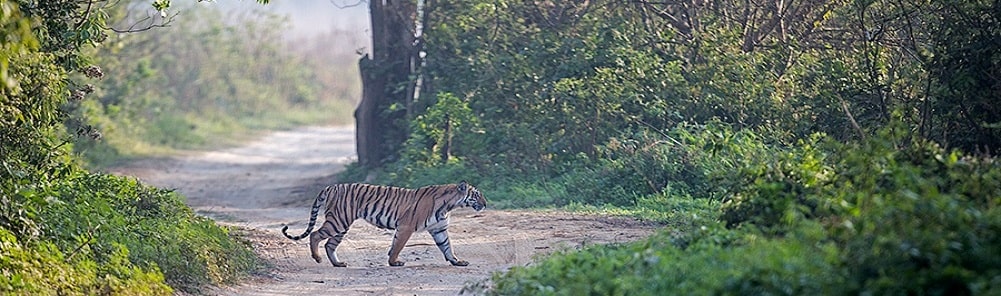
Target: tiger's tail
317	204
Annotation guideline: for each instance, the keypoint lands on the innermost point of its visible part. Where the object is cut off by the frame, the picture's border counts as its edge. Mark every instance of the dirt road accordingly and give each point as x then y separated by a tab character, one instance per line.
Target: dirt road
272	182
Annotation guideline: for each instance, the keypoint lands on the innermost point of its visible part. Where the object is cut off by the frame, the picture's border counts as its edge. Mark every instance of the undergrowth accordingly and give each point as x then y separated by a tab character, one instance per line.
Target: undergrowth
72	232
889	215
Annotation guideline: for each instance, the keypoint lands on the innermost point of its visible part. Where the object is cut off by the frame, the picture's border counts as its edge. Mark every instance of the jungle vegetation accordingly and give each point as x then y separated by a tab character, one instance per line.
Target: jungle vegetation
790	147
84	84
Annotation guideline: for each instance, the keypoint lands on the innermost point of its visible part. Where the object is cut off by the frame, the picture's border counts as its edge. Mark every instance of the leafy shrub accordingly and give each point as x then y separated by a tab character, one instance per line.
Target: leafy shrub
911	216
916	218
116	229
42	269
690	160
886	216
66	231
629	169
433	132
781	188
708	262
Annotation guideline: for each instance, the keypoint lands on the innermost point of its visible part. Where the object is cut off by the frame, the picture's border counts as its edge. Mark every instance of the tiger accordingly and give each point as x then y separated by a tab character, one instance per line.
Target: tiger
394	208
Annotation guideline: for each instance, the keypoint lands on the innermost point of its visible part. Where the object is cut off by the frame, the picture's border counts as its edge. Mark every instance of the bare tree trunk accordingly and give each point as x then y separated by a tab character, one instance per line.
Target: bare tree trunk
446	149
386	80
364	123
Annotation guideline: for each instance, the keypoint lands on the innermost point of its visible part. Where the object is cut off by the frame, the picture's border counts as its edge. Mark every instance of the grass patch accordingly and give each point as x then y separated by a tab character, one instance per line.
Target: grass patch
659	208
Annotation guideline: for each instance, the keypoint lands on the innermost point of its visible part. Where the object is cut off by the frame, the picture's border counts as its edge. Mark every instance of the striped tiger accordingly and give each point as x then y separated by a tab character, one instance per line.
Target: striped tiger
401	209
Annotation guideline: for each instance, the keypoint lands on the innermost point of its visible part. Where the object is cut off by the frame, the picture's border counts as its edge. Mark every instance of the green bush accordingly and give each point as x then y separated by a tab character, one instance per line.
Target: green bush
916	218
689	160
782	188
42	269
909	216
886	216
708	262
626	170
125	230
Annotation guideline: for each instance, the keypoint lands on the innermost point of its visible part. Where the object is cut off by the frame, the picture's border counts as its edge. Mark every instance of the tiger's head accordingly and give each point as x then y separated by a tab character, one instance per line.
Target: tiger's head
472	197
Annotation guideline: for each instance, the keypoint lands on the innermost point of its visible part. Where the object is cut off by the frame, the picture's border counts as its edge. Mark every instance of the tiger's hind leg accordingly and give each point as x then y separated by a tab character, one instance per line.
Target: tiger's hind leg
441	239
333	238
399	240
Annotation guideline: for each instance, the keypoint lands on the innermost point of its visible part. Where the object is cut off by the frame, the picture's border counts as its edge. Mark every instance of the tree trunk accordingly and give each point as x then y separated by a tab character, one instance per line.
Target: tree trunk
386	80
446	149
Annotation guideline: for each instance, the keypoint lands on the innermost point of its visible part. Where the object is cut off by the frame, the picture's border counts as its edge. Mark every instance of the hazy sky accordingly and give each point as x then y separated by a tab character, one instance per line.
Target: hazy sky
312	16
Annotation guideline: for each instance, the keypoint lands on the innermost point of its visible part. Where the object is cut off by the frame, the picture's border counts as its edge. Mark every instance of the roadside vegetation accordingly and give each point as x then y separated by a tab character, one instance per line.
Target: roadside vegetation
210	78
803	148
83	84
796	148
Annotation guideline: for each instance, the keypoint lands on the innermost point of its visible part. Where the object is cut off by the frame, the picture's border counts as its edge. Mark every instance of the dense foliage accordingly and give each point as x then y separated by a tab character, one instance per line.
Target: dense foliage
75	232
550	83
887	216
792	147
64	230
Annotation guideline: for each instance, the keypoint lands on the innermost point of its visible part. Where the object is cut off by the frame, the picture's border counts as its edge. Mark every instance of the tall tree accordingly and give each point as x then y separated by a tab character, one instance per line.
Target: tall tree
387	81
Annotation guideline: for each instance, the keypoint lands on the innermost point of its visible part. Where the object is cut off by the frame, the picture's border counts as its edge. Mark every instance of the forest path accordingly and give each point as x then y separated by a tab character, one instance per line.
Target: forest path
272	181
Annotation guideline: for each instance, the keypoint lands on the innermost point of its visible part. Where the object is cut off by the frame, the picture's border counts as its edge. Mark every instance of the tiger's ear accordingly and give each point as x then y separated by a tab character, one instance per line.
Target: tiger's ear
462	186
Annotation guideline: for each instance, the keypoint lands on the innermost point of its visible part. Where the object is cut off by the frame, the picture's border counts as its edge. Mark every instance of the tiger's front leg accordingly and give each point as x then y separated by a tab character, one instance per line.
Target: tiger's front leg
441	239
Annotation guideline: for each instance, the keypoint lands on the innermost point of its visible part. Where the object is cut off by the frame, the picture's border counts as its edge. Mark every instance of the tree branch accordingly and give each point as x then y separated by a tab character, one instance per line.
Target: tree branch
152	24
347	5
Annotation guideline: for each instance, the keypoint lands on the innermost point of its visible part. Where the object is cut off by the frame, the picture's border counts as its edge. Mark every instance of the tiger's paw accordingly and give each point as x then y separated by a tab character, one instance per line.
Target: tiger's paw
460	263
396	263
340	264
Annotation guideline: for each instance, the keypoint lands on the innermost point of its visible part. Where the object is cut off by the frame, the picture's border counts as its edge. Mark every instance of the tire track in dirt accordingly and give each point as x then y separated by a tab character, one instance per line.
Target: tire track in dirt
272	182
